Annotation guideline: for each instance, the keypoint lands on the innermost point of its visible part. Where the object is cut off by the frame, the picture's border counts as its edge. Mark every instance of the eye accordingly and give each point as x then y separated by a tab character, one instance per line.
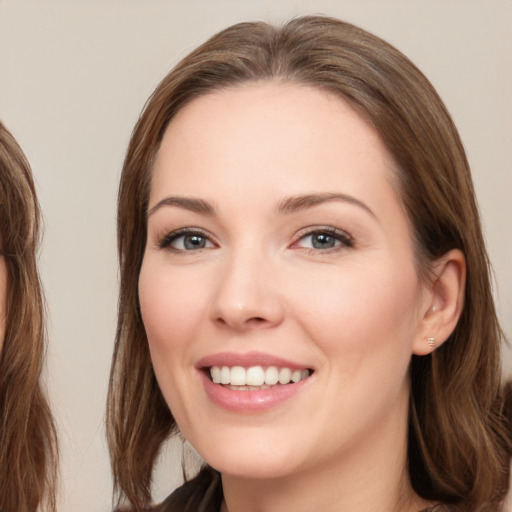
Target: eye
186	240
325	239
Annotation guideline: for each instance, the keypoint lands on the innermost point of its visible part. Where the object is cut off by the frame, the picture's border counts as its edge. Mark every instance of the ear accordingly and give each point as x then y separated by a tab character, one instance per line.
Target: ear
444	300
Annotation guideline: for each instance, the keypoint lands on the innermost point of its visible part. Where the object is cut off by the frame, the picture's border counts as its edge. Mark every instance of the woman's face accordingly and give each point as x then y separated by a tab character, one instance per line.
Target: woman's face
278	249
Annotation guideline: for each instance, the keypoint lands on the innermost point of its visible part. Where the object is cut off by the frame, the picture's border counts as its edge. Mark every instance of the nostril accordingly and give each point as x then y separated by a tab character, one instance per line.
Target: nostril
249	323
256	320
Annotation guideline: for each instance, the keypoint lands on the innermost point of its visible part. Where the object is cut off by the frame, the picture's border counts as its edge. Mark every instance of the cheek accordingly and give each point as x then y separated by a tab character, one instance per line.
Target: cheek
363	323
359	311
171	307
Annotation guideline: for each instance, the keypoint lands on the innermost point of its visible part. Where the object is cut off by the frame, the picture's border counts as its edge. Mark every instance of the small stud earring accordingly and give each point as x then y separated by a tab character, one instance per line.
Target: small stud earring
431	342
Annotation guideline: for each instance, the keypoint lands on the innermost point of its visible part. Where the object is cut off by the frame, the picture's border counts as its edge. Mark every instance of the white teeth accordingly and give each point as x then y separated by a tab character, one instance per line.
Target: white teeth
285	375
225	375
238	377
296	375
271	376
255	377
247	388
215	373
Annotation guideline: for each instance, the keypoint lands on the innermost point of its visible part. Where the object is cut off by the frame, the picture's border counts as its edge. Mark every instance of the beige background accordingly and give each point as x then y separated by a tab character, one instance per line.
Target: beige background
73	78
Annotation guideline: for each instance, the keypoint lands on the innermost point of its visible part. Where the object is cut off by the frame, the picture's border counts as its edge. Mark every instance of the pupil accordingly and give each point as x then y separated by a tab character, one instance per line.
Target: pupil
194	242
323	241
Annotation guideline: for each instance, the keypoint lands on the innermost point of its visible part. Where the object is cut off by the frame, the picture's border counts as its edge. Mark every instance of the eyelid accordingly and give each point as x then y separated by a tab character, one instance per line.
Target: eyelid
164	242
346	239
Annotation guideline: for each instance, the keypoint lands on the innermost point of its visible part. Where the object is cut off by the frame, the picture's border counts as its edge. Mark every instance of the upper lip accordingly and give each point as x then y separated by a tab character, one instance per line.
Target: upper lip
247	360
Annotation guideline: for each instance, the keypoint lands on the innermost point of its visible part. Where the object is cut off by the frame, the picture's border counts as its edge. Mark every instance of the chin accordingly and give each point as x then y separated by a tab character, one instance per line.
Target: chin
252	470
250	460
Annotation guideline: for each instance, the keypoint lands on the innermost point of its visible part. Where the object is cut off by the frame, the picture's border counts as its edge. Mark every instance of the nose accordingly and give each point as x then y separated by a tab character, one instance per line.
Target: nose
247	295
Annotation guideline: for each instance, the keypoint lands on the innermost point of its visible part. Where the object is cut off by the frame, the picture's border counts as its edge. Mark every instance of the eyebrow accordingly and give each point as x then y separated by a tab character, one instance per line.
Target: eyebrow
286	206
297	203
187	203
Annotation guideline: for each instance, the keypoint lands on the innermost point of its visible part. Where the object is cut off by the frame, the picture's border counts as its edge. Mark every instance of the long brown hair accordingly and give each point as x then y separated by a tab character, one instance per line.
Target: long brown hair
28	441
459	438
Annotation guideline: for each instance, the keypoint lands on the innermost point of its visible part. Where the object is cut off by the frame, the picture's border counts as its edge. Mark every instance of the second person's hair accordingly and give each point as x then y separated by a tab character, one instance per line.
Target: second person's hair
28	440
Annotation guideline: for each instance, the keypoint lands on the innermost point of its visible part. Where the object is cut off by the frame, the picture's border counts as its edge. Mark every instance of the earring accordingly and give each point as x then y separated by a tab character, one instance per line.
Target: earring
431	342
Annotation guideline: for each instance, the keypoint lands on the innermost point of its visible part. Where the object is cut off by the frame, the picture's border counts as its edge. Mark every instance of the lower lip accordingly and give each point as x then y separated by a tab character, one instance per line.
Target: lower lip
250	401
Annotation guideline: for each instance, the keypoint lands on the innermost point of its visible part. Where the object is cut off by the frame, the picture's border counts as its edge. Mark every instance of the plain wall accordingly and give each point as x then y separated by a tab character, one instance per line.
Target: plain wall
73	79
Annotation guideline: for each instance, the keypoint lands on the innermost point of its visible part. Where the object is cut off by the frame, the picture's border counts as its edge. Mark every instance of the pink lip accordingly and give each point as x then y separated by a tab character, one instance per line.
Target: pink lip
246	360
248	401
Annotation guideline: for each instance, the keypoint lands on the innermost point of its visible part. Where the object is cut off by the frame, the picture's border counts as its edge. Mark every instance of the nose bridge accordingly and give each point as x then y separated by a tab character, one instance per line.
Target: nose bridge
246	296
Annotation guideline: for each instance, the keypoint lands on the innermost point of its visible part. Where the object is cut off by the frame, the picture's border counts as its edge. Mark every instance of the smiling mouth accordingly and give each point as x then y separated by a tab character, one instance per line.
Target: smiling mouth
255	378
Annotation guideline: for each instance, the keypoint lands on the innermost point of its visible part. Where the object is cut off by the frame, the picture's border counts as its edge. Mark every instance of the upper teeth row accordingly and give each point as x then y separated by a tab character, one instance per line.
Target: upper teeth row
255	375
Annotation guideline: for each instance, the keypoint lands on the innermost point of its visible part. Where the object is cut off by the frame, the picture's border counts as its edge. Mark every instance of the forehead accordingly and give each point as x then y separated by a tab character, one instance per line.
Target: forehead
256	131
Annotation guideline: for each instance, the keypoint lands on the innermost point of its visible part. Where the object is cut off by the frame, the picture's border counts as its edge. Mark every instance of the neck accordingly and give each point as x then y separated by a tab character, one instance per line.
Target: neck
361	491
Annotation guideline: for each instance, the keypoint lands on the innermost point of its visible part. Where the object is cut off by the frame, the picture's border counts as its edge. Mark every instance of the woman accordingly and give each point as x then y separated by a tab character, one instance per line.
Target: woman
28	445
305	293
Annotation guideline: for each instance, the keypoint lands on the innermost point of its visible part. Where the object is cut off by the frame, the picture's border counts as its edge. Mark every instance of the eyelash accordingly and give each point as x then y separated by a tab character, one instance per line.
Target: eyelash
167	240
345	240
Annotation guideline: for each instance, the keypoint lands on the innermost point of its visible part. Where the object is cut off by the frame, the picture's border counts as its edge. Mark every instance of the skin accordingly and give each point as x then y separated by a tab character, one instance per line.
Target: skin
354	313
